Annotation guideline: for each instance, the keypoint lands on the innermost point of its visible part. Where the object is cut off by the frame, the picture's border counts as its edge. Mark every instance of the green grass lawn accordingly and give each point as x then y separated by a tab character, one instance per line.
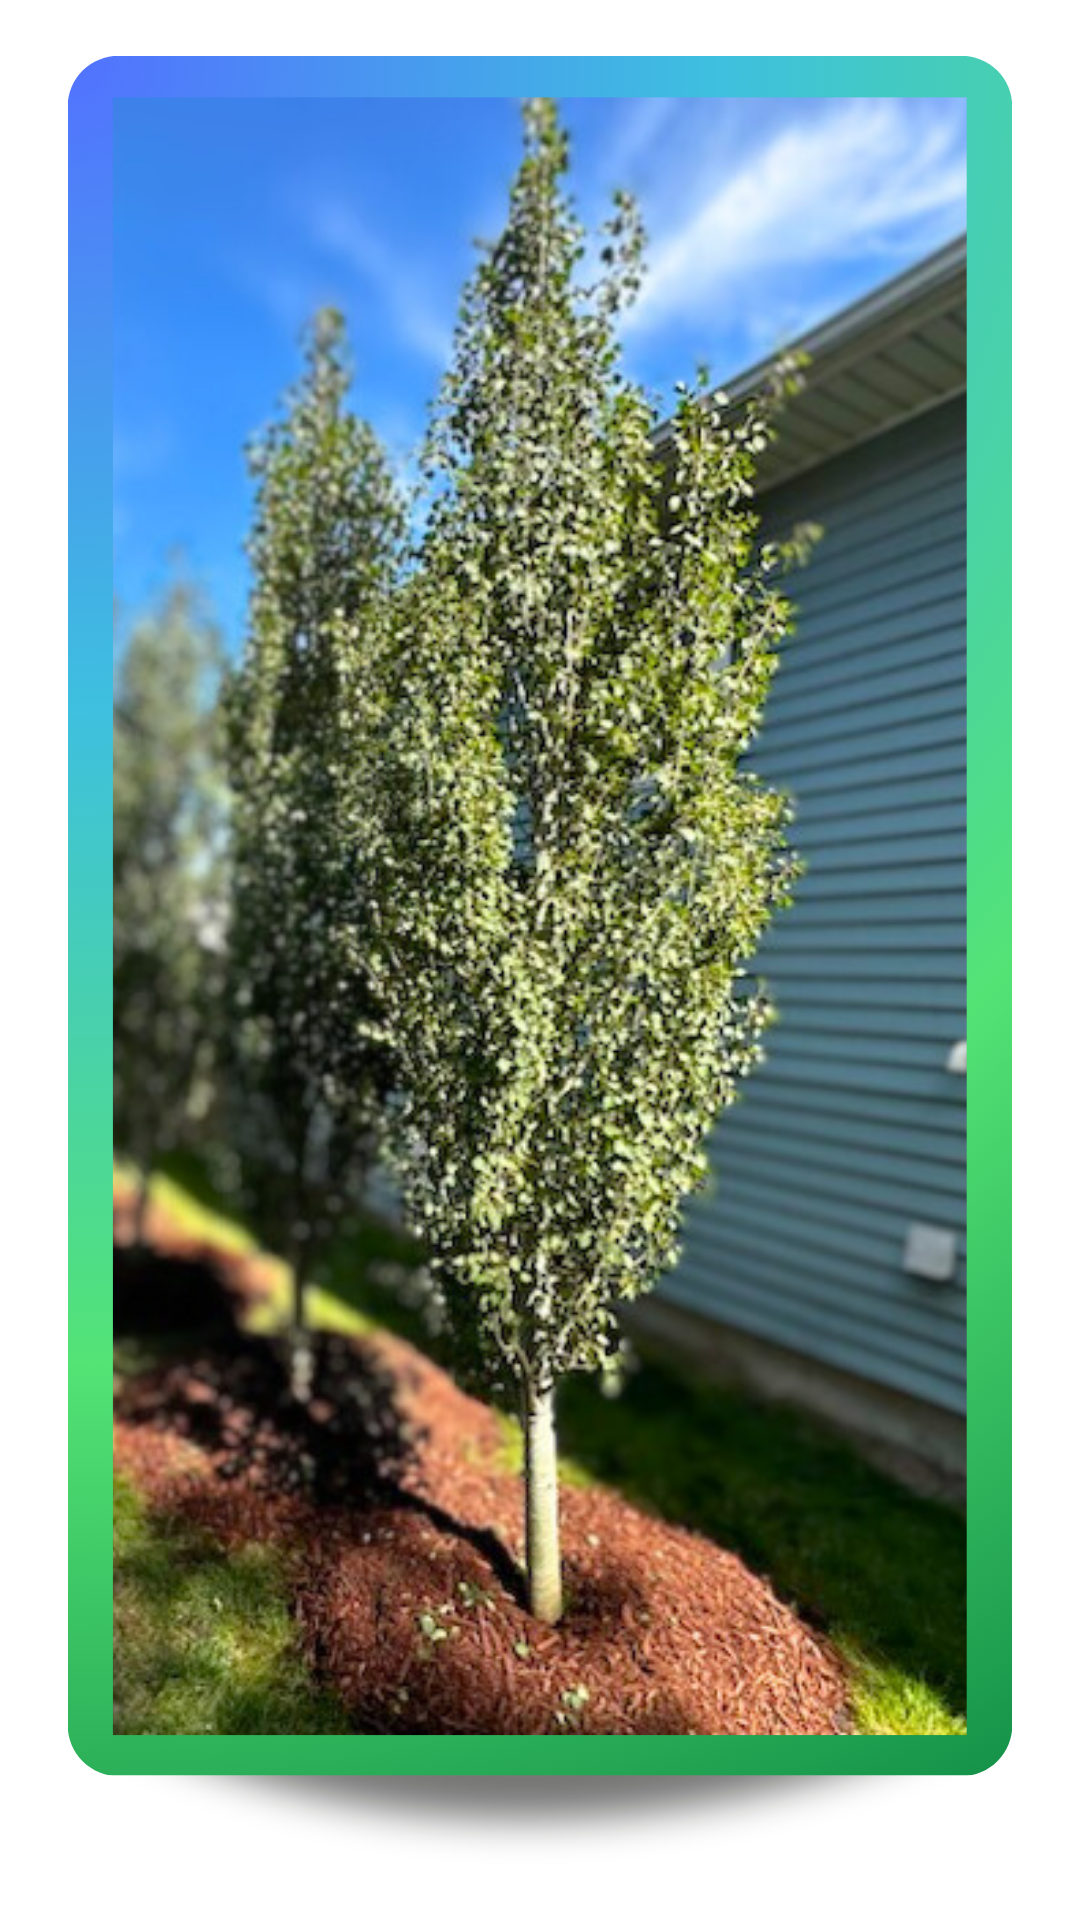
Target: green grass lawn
204	1640
879	1569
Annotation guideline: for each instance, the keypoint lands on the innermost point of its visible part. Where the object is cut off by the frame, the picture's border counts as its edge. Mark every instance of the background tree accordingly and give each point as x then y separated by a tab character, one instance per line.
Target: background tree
308	1075
571	867
167	878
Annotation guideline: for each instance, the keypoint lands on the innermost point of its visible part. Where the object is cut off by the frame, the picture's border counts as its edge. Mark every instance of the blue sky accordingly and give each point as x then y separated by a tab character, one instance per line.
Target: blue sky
235	219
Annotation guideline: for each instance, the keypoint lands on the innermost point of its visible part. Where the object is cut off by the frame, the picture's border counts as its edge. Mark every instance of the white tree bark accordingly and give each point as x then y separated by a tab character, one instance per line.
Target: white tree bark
542	1505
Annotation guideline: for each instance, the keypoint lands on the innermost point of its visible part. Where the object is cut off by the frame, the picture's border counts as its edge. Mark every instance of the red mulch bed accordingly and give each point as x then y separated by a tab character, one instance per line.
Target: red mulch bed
402	1533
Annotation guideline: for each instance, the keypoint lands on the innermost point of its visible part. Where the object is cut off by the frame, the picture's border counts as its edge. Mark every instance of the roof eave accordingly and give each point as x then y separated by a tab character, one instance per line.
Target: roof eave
861	382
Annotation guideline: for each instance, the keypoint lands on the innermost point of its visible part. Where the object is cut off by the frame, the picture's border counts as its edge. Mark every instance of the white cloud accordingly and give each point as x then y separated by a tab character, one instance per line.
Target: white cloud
849	180
337	230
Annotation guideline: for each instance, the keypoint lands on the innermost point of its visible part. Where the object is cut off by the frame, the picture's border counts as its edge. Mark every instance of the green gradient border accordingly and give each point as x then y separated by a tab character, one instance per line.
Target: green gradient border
90	548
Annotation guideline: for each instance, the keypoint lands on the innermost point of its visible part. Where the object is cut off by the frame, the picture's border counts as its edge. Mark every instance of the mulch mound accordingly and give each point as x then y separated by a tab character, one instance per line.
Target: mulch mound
401	1528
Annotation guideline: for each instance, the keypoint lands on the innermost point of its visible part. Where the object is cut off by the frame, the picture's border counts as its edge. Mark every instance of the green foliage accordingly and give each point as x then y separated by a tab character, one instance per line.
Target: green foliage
168	905
570	867
308	1075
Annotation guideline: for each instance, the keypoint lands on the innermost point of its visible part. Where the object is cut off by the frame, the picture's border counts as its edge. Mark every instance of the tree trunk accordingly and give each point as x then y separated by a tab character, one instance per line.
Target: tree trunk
141	1208
301	1352
299	1275
298	1231
542	1504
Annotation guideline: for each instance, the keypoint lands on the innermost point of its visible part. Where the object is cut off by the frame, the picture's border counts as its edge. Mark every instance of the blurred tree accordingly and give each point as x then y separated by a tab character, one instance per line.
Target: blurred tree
168	900
569	866
308	1074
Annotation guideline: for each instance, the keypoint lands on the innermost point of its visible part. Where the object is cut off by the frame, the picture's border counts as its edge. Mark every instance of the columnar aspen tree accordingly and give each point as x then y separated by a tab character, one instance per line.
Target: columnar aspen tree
570	867
309	1077
167	877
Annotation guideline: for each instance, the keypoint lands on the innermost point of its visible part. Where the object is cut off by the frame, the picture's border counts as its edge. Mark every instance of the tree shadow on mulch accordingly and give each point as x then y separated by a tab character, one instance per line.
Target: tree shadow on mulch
342	1441
157	1294
413	1640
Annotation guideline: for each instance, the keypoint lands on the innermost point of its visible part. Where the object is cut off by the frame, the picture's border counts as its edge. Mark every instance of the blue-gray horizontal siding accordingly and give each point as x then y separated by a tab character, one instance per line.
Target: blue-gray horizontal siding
853	1129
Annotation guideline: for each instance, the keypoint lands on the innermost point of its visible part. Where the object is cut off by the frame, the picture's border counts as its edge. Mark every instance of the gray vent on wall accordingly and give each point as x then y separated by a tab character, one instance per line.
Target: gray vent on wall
930	1252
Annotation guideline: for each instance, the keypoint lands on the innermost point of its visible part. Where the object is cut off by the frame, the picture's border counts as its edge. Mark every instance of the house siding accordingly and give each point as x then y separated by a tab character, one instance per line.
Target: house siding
853	1129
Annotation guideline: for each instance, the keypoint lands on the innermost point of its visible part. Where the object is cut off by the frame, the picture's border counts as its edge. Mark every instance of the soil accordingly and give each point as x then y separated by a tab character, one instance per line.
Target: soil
385	1488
